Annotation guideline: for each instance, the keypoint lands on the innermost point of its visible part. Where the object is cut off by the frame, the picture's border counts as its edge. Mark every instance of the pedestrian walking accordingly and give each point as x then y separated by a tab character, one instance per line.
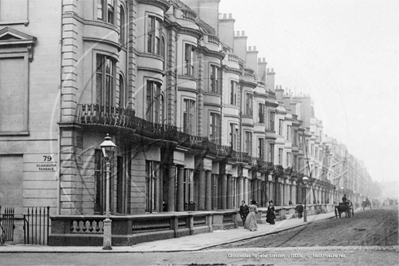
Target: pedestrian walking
270	215
299	209
244	210
250	222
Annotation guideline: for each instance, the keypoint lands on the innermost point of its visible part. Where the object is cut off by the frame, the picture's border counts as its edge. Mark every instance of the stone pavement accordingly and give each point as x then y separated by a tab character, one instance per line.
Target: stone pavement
186	243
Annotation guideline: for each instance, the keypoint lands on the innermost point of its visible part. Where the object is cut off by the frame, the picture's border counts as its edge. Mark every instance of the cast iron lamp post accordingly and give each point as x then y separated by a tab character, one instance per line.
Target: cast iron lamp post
305	181
108	148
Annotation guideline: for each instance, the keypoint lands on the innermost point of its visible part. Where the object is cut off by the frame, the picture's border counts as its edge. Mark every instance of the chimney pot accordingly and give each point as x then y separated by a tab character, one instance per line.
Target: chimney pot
272	70
238	33
224	16
230	16
249	48
254	48
243	33
264	59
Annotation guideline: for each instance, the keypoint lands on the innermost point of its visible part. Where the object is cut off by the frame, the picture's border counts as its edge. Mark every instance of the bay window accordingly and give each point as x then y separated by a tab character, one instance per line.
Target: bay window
214	78
189	60
248	142
233	136
233	92
154	102
106	11
261	148
154	35
249	104
261	112
189	116
105	79
214	128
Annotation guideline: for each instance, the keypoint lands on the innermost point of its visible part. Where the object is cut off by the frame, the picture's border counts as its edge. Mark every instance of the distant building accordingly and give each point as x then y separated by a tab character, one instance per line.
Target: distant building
198	121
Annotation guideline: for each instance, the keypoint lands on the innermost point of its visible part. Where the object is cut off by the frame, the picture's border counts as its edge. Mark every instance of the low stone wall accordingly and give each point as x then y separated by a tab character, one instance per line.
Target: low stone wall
134	229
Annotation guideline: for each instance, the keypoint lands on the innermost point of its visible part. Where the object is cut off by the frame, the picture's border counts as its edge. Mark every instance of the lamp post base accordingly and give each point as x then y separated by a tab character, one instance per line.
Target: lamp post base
107	234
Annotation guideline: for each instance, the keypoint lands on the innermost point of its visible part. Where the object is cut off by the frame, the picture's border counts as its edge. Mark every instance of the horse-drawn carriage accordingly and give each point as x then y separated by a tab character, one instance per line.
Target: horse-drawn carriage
345	207
366	203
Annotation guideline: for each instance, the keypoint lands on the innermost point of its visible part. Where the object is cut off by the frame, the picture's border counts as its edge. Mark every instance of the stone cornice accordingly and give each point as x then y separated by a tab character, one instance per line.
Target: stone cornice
90	22
232	70
149	69
163	4
187	89
102	40
218	54
248	83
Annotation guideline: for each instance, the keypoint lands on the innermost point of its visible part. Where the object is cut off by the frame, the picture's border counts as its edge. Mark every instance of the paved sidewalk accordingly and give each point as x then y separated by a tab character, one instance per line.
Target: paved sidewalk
186	243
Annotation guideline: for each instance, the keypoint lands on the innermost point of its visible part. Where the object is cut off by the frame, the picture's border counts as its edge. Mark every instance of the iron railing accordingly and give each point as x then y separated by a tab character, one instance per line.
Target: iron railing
7	224
37	226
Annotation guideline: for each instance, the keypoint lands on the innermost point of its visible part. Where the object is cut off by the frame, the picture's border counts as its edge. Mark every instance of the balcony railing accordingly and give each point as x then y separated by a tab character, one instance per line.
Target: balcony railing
94	114
188	15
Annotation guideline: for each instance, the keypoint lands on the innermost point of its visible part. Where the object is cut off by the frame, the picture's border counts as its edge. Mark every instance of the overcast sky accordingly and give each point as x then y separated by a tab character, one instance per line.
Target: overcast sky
345	54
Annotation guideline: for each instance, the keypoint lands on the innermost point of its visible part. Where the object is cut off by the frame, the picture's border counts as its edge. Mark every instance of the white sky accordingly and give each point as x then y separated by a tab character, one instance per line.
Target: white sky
345	54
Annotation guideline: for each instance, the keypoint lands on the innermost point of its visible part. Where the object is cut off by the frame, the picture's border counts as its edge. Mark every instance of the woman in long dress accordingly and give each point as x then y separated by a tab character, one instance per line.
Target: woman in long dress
250	222
270	216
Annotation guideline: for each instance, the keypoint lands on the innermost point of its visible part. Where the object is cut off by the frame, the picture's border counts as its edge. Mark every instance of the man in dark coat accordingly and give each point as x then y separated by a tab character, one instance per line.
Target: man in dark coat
244	210
344	198
299	209
270	215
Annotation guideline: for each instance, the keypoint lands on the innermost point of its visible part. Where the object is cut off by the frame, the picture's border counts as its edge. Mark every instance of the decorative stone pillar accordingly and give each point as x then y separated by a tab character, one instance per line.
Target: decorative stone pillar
229	190
224	191
201	196
171	188
259	192
180	188
208	191
241	189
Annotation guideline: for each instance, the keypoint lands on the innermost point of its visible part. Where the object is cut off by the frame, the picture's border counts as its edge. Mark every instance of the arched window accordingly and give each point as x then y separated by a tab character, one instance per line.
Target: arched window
122	92
122	36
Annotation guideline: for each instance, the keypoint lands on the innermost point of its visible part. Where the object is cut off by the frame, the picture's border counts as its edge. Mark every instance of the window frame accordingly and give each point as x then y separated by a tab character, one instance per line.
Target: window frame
261	113
214	79
107	92
189	117
154	35
189	59
249	100
261	148
123	25
248	142
233	92
154	98
214	127
103	8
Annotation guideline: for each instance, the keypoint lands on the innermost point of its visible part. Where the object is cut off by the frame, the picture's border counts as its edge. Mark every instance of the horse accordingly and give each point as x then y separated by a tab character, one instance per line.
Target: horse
344	207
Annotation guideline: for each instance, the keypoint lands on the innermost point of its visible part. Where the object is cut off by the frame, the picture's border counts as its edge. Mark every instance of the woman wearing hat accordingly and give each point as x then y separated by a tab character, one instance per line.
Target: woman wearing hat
250	222
270	216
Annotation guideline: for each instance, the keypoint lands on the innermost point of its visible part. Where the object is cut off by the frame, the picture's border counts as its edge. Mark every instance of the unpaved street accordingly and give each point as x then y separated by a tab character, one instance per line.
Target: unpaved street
377	227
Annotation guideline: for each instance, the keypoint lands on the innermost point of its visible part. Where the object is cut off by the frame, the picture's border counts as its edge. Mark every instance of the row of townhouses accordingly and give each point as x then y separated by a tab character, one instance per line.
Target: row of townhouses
197	118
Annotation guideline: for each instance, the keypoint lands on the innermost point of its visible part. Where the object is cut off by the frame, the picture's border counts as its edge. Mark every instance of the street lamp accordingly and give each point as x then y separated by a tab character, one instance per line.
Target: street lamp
108	148
305	181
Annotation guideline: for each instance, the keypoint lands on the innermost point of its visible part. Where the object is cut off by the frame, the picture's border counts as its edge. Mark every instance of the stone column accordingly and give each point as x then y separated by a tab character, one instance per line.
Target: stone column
246	189
201	196
224	191
208	191
180	188
259	194
171	188
228	194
